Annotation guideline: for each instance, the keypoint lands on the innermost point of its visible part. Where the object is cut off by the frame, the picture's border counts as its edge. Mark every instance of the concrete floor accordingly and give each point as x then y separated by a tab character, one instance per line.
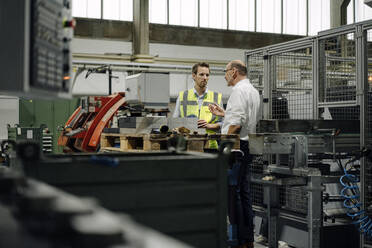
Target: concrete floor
256	245
281	244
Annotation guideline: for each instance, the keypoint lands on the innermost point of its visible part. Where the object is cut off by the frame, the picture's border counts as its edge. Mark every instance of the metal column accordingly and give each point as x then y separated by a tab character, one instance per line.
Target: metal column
141	31
316	65
362	95
314	210
271	198
267	92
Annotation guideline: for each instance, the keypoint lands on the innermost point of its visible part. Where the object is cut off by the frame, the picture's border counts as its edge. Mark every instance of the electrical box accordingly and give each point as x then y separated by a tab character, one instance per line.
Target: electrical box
35	50
40	135
149	89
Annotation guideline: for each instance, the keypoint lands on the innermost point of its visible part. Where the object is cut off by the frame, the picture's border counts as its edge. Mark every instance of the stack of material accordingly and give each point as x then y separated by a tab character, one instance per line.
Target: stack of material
155	133
137	125
156	142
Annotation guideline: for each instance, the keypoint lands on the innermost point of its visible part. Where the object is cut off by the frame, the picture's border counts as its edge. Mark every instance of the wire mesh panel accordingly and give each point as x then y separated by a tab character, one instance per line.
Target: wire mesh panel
294	199
255	64
292	85
257	189
369	119
368	168
338	77
291	75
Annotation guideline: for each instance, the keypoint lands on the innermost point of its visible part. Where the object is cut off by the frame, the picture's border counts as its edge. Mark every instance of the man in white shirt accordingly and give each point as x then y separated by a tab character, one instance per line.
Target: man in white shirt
241	117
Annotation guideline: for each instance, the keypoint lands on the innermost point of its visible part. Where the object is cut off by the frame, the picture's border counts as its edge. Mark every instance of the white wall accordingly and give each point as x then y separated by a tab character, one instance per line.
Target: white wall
196	52
100	46
181	82
178	82
96	46
98	83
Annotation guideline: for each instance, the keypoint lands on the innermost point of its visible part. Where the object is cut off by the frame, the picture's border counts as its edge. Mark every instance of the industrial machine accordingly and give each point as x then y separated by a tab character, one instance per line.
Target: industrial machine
150	90
146	94
302	156
41	135
83	129
141	109
34	214
181	194
319	78
36	52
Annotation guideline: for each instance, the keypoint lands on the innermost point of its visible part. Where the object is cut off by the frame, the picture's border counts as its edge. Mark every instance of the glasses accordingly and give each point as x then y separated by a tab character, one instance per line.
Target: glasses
226	70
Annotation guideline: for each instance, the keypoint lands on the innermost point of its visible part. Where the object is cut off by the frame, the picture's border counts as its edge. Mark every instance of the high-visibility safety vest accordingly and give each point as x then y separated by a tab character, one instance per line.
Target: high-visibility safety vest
189	107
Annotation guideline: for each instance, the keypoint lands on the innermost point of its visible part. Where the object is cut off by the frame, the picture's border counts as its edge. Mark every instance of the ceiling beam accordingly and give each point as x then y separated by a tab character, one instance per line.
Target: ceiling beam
179	35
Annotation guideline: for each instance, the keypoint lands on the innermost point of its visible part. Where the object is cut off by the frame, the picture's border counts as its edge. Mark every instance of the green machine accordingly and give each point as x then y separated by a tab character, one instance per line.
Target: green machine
41	135
52	113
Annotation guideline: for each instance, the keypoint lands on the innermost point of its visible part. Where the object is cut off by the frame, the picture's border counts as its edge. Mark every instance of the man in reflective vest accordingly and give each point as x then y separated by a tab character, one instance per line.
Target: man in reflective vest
194	102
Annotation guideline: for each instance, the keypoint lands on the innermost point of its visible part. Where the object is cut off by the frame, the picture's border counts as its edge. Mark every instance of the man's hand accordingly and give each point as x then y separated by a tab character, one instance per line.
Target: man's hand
202	124
206	125
216	109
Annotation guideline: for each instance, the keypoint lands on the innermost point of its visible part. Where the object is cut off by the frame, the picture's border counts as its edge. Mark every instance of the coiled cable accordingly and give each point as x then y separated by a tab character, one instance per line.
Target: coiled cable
351	193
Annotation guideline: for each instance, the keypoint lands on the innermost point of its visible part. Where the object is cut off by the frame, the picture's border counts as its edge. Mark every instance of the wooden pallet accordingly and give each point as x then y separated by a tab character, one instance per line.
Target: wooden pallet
157	142
133	142
196	142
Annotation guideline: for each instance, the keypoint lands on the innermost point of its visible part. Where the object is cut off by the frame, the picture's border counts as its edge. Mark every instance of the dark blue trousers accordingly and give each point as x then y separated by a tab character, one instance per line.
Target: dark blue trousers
240	204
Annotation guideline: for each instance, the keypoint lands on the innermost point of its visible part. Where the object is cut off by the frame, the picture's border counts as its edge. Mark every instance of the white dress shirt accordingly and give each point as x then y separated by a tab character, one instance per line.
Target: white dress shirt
242	109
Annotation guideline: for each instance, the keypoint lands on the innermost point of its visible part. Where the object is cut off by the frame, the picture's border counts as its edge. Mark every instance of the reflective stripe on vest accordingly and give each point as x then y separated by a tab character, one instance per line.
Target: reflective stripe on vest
190	106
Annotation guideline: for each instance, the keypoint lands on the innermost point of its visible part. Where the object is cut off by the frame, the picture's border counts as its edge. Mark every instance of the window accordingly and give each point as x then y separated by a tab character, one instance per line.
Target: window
158	11
118	10
350	12
269	16
213	14
245	15
362	11
294	17
319	16
183	12
81	8
241	15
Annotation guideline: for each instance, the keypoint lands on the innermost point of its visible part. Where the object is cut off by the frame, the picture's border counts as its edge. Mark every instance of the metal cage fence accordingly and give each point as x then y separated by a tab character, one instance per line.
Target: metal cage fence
291	97
368	166
292	85
337	82
339	59
328	76
368	175
257	189
294	199
255	65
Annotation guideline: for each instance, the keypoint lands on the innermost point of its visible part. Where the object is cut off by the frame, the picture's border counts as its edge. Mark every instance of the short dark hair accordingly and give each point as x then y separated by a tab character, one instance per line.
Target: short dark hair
242	69
200	64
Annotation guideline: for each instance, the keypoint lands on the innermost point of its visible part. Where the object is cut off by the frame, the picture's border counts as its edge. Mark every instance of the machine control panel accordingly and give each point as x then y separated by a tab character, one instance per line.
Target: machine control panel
50	57
37	54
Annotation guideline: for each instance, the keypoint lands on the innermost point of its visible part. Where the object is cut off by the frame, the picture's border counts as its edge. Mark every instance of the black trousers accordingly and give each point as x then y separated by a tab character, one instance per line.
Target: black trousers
240	204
